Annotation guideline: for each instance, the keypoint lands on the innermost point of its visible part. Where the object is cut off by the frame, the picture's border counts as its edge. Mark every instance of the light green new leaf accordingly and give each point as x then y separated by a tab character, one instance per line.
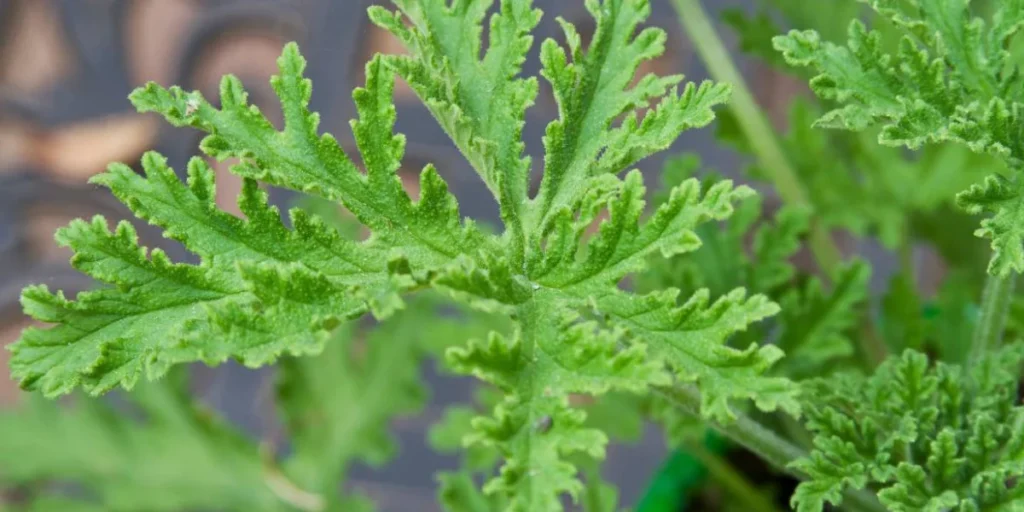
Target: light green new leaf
592	89
480	103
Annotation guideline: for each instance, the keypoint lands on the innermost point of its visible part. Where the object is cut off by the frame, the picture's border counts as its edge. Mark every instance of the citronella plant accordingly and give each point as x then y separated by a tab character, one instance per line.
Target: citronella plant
589	331
264	288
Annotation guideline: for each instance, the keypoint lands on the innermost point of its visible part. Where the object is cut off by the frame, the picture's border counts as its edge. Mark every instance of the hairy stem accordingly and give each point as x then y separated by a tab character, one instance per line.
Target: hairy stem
766	147
762	442
995	303
744	431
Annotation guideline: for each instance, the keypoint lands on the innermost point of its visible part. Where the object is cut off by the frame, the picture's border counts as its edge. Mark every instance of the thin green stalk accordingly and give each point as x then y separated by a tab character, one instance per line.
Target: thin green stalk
744	431
766	147
995	303
764	443
732	481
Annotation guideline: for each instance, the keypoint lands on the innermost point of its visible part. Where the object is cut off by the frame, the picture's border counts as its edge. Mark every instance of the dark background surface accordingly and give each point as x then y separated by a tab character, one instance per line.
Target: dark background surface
66	67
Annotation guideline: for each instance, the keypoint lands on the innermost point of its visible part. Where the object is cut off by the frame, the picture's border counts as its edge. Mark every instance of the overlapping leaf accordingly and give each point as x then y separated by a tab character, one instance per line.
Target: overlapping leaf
951	80
592	88
480	103
549	357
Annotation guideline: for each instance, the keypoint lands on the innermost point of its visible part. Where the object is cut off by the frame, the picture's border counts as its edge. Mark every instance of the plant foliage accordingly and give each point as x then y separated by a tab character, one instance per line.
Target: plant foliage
952	79
590	309
934	438
167	451
264	288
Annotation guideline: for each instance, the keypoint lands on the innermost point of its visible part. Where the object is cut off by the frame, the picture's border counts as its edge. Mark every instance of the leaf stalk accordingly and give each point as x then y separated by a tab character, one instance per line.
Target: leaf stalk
995	304
761	441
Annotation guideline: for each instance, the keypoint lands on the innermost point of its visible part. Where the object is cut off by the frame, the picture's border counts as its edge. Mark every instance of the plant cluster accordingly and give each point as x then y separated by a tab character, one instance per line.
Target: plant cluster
590	310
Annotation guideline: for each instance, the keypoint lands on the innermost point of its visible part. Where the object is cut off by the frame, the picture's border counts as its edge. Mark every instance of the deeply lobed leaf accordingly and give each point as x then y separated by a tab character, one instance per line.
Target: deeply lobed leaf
925	438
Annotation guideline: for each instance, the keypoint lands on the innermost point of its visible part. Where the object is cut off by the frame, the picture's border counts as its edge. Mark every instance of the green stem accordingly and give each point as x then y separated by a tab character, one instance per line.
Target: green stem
743	431
995	303
733	482
766	147
762	442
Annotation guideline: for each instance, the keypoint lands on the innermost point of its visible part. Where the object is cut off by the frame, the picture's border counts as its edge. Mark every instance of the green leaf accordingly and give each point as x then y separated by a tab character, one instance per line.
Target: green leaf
338	406
179	457
903	322
756	32
262	289
479	102
599	496
855	184
1001	198
337	409
915	95
690	338
592	89
458	493
428	232
549	357
815	325
924	437
952	80
954	315
157	312
740	252
622	246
